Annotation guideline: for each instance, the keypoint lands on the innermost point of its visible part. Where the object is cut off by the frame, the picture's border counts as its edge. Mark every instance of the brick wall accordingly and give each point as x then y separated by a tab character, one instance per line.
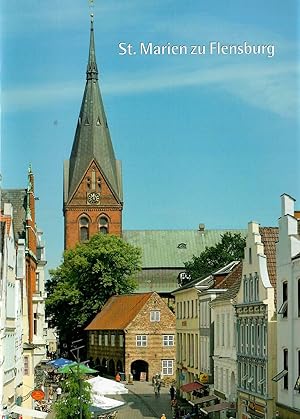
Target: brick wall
108	206
154	352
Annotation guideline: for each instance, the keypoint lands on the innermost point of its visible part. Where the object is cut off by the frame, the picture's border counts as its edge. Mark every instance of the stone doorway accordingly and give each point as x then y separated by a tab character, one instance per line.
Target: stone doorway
138	368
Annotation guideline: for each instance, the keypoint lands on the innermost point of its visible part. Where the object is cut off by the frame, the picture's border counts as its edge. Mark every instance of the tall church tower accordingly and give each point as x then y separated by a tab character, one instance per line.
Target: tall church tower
93	198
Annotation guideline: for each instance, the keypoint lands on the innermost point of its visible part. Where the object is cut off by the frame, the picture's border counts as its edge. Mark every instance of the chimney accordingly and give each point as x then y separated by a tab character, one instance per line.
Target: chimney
201	227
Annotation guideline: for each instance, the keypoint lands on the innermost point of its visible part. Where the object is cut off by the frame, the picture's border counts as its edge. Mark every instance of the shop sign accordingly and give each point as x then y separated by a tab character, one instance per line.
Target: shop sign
37	394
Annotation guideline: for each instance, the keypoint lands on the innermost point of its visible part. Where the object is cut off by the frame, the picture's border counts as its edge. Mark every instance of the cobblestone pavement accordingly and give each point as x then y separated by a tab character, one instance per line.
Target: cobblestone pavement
143	403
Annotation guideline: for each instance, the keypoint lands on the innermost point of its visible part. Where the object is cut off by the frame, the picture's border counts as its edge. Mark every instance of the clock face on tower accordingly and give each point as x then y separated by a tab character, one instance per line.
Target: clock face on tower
93	198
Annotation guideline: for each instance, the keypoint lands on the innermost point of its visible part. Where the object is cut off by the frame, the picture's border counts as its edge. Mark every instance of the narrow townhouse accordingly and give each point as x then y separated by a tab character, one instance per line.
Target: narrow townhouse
287	375
11	360
255	307
225	363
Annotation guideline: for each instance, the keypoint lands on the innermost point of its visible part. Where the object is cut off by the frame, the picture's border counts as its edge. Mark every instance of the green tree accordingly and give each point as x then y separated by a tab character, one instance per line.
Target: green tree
90	273
231	247
76	396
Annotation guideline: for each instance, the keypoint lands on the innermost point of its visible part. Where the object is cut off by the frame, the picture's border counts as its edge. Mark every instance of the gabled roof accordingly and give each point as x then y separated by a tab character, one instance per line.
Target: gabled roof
269	238
161	248
210	280
232	282
16	197
119	311
92	138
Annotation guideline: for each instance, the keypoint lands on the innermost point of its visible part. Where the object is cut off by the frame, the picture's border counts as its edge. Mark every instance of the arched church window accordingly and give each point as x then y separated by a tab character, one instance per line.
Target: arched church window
103	224
83	229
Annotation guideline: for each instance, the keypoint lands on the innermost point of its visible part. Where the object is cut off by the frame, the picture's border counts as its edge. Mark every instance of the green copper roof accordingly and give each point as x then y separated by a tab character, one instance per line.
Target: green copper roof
92	138
171	248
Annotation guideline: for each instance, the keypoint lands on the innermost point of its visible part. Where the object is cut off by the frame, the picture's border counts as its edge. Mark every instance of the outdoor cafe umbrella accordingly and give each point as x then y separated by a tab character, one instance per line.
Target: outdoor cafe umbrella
75	367
59	362
101	385
102	404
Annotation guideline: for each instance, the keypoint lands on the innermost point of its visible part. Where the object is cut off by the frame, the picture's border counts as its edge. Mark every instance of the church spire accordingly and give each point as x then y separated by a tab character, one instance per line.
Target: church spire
92	70
92	138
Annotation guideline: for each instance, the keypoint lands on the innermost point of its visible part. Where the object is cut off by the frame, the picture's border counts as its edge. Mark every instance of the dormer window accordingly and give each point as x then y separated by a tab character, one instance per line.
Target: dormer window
181	246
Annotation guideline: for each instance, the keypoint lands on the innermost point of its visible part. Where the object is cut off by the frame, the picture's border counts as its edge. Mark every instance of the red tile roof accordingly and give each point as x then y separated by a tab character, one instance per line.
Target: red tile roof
269	238
231	278
119	311
232	283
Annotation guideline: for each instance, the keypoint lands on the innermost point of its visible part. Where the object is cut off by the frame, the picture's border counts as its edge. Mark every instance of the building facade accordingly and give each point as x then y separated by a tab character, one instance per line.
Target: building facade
195	327
225	363
288	313
187	335
29	265
134	334
255	310
11	359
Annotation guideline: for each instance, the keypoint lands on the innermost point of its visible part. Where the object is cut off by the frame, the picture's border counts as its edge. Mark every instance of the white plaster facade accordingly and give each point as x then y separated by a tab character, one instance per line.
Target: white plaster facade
288	317
11	361
225	366
256	326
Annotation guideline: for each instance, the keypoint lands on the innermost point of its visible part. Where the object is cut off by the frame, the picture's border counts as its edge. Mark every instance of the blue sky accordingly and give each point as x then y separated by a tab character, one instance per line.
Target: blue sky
203	139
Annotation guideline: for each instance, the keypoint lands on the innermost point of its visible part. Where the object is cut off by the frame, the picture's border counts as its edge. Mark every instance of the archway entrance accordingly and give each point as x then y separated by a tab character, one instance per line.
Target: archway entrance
137	368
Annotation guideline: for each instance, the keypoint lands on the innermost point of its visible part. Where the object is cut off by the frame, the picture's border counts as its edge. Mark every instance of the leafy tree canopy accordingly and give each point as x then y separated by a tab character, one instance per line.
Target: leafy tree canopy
76	392
231	247
90	273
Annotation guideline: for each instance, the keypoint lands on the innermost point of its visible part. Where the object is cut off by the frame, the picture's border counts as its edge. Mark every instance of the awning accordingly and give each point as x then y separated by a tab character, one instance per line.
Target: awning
188	388
28	412
203	399
217	407
280	375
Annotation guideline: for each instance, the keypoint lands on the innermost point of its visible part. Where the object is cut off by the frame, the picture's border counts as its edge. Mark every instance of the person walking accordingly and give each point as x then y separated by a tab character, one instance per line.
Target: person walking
158	388
50	392
58	392
172	392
